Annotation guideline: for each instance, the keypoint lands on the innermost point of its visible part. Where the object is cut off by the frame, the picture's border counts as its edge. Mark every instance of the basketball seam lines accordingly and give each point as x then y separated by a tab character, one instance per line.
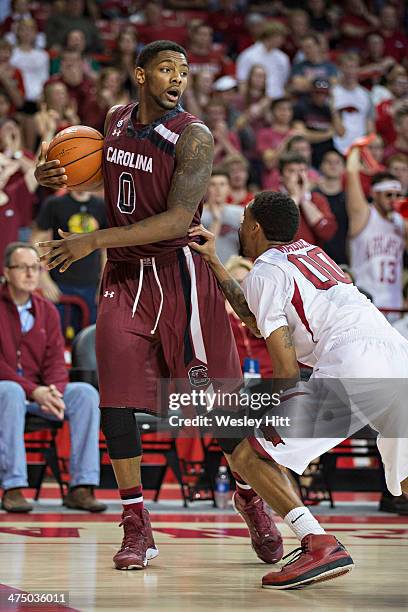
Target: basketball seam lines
80	158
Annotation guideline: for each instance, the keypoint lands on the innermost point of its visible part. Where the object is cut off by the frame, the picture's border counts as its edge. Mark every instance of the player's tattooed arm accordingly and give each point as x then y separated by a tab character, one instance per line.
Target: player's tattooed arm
281	349
235	296
194	157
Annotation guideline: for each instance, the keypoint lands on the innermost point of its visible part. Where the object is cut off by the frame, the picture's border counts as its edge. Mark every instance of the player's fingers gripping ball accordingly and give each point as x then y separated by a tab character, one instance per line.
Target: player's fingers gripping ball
79	150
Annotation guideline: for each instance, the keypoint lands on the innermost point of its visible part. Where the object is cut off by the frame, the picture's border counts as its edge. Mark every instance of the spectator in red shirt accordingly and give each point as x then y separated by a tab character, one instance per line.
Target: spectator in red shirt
317	222
237	168
397	85
156	27
11	79
271	141
401	127
356	24
204	55
395	41
248	345
16	202
34	379
80	87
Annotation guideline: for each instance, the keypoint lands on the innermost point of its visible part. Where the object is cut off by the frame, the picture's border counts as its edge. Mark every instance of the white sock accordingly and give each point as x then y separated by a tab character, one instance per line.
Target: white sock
302	522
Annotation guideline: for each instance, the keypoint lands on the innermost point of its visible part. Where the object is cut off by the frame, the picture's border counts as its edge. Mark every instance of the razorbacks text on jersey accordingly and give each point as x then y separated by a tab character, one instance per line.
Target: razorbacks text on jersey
300	286
376	258
138	165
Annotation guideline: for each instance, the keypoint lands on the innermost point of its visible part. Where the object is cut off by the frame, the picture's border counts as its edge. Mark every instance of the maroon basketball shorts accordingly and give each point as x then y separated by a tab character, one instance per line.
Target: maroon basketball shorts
161	318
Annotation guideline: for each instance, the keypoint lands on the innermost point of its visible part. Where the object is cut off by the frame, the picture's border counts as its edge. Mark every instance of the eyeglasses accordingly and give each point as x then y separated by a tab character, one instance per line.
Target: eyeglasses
25	268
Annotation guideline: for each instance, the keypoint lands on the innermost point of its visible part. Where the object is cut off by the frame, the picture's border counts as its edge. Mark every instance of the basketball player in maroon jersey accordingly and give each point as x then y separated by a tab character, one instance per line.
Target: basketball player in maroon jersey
161	313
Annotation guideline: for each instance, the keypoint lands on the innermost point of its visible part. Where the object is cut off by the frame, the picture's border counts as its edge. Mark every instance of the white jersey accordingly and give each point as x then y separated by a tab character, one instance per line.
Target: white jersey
376	258
300	286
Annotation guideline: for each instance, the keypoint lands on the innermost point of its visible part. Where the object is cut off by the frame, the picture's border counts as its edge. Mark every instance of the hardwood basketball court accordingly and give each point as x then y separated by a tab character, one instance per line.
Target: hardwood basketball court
205	562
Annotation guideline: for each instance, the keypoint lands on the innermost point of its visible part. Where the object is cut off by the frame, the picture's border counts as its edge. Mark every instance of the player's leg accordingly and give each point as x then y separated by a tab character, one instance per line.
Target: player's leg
127	366
125	452
321	556
196	312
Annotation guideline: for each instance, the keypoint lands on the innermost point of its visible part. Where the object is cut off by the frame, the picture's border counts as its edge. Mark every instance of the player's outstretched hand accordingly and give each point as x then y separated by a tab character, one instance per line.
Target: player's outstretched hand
64	252
49	173
207	249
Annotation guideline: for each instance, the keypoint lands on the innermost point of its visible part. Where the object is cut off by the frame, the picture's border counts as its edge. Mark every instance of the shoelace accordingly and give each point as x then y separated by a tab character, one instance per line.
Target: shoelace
263	519
296	553
132	529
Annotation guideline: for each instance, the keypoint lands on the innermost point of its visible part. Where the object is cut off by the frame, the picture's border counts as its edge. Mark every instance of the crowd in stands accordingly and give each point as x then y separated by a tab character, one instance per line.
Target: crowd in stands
285	87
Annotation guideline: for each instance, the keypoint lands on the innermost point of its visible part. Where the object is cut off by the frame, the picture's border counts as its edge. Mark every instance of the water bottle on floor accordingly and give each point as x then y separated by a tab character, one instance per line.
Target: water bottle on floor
222	488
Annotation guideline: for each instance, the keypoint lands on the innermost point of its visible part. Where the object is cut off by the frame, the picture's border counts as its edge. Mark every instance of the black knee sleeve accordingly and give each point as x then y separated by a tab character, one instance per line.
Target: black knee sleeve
228	445
121	432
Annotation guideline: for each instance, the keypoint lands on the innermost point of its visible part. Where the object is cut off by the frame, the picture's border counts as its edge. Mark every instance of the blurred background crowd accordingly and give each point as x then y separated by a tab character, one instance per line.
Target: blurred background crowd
285	88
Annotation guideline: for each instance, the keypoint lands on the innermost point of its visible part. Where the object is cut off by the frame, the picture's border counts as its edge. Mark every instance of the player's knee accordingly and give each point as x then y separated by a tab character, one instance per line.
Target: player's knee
121	433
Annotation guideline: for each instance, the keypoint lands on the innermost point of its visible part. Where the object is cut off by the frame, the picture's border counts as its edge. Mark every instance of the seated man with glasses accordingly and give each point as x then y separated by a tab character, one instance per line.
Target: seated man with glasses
377	236
34	379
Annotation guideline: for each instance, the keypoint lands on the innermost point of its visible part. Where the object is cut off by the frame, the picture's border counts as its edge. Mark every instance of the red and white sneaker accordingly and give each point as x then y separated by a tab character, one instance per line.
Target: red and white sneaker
320	558
152	551
132	553
265	537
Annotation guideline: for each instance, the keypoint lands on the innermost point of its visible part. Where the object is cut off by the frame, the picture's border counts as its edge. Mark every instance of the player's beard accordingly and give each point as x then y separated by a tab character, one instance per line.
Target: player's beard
241	246
164	104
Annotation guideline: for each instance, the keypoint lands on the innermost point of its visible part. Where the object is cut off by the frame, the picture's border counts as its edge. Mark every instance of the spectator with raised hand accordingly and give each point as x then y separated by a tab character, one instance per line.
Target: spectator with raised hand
80	87
11	79
300	145
56	112
355	25
254	101
375	65
16	202
313	67
109	92
392	97
267	53
331	185
34	379
317	222
314	116
353	104
75	40
377	234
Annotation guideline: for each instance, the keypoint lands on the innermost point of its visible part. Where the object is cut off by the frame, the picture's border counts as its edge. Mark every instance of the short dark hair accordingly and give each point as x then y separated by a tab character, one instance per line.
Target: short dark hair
277	214
154	48
13	246
220	172
276	101
379	177
290	158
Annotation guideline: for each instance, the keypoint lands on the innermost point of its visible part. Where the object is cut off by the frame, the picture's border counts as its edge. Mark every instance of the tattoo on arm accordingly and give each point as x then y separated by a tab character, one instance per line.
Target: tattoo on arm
194	156
287	337
236	298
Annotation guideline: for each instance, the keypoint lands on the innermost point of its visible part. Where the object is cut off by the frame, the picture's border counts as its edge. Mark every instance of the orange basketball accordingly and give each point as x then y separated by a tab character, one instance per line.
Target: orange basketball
79	149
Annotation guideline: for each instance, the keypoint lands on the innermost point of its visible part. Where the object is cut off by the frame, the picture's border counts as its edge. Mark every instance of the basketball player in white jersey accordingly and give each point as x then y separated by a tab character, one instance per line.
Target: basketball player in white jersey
377	235
308	311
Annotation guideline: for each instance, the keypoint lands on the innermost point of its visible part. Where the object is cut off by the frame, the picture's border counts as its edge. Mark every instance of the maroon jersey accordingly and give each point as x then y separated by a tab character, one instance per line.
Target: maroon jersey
138	166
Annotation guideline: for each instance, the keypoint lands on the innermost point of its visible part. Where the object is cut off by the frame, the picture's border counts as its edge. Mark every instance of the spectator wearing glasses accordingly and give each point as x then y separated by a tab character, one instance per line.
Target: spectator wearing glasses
377	234
34	379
